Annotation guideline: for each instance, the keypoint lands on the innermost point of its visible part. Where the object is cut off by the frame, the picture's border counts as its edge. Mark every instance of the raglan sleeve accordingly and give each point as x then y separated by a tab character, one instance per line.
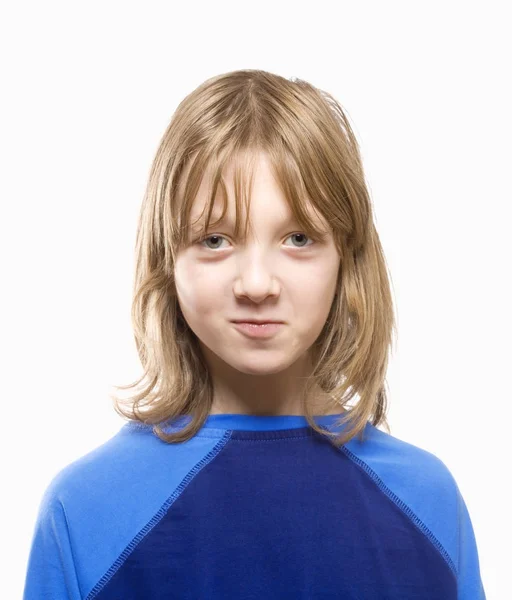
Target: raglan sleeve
469	581
51	570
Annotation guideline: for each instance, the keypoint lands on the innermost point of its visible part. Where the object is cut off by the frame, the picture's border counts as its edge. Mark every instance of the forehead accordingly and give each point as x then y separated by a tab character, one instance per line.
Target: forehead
256	179
237	176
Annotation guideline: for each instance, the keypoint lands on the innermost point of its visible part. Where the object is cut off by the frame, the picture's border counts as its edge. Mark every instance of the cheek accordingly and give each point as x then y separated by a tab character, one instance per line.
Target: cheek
316	298
316	303
319	284
196	289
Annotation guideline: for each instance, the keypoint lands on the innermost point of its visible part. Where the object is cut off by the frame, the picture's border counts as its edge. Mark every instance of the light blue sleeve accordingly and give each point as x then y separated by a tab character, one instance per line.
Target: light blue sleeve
469	582
427	487
51	573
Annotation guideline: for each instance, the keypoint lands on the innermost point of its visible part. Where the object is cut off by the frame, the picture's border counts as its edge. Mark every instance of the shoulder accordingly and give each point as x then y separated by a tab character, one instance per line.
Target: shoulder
418	482
107	462
397	462
134	465
100	502
413	477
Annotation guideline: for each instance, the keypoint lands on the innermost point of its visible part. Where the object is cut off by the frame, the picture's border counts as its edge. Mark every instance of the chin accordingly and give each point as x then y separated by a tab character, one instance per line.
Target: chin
271	369
259	365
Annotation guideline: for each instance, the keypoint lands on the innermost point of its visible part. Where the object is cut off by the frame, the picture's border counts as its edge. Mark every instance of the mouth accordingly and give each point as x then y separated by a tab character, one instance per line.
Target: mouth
257	322
258	330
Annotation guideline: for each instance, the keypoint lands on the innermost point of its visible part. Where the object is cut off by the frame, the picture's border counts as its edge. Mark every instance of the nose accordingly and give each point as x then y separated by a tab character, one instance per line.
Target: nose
256	278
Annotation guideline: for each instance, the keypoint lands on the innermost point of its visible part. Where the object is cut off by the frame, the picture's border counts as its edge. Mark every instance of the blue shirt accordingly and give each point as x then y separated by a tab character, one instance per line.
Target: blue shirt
254	507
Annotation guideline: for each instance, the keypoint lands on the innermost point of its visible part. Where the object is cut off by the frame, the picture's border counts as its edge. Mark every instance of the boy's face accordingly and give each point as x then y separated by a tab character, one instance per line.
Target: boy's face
273	275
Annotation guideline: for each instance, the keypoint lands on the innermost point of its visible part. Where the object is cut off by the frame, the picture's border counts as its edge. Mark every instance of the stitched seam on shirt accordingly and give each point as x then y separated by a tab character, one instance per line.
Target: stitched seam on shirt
404	507
157	517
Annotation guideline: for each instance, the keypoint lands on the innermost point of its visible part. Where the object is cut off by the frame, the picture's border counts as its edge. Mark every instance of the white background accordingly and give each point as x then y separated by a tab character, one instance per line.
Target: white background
88	90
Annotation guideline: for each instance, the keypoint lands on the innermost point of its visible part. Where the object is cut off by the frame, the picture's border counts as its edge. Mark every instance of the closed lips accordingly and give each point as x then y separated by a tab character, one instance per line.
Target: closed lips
257	322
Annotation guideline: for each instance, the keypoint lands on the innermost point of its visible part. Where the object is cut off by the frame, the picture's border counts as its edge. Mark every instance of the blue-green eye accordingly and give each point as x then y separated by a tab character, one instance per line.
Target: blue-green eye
211	237
221	237
302	235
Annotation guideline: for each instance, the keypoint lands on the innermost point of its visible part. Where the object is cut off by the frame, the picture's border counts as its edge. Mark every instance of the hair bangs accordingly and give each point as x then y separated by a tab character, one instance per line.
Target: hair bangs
212	170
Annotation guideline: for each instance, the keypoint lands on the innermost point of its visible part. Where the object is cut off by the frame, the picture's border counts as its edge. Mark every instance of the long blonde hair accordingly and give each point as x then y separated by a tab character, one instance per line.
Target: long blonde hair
315	156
